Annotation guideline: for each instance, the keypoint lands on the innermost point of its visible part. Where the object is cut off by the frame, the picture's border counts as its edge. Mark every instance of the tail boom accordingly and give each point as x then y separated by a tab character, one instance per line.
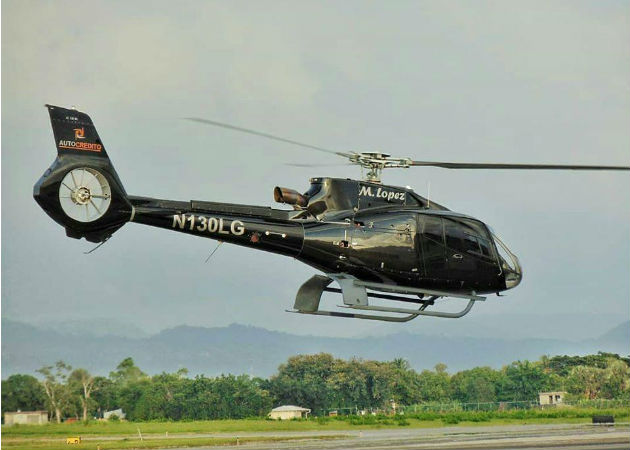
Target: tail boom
250	226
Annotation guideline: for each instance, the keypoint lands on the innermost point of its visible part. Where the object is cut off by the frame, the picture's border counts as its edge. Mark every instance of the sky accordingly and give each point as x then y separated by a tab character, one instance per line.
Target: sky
495	81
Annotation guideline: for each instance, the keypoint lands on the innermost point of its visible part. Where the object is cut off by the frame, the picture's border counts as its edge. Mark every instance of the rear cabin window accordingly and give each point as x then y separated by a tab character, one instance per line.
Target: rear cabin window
432	230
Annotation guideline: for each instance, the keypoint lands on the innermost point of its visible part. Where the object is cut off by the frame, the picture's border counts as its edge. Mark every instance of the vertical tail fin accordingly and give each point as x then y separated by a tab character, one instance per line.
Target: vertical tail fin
74	132
81	190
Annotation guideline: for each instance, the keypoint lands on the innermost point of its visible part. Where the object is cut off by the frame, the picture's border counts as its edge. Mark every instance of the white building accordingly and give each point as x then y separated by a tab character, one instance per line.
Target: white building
551	398
286	412
116	412
26	418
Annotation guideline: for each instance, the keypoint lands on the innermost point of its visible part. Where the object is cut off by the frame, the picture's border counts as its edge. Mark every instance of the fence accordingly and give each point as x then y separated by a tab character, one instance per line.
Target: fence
479	406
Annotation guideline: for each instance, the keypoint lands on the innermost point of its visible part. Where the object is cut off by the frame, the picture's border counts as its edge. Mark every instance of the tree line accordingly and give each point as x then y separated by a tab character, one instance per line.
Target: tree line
320	382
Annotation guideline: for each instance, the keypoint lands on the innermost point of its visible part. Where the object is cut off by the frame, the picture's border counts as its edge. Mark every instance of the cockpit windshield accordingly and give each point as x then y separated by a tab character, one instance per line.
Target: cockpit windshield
509	263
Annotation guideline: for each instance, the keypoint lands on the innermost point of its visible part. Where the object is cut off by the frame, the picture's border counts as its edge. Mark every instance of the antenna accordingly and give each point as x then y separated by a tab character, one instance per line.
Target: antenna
213	251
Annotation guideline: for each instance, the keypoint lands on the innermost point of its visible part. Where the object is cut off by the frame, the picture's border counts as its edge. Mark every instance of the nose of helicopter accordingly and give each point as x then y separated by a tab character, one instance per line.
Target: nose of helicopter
513	278
510	265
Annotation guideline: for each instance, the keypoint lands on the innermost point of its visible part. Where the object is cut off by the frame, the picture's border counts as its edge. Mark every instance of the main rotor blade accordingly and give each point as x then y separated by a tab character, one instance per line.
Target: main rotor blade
265	135
454	165
317	165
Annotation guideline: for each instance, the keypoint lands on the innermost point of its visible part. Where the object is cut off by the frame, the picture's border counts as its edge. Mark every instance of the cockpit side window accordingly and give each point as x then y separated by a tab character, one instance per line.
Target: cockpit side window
468	236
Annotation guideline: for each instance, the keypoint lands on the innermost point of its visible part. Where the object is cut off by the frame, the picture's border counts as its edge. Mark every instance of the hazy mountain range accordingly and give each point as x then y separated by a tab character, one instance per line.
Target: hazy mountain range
245	349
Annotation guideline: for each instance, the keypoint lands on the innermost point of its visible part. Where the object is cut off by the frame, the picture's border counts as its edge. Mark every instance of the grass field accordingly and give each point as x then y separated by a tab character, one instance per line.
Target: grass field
122	435
151	442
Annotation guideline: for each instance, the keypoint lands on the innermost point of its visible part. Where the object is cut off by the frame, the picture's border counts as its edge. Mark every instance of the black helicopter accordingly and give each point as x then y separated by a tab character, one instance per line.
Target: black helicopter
376	241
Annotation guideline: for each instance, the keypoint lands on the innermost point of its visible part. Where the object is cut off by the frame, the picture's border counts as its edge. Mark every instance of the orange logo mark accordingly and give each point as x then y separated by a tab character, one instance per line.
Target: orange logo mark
79	133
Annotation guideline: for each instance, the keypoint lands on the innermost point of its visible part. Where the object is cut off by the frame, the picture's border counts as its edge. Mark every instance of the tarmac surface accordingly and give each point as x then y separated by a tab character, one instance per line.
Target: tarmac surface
522	437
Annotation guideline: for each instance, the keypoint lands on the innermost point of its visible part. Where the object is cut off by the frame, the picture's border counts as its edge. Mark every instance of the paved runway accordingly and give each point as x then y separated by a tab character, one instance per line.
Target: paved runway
522	437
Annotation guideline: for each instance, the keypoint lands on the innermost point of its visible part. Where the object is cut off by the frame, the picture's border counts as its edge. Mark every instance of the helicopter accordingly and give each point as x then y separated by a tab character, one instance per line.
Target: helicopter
378	243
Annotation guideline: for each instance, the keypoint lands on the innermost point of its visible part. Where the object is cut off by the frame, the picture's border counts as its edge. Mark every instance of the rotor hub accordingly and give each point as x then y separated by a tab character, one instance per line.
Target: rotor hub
375	162
81	195
85	194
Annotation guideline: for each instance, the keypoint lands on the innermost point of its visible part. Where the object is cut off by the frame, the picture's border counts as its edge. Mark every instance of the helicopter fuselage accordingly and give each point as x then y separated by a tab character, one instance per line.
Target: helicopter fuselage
386	242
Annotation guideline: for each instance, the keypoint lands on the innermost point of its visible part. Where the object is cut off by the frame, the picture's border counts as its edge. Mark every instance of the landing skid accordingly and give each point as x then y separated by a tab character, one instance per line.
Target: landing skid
355	296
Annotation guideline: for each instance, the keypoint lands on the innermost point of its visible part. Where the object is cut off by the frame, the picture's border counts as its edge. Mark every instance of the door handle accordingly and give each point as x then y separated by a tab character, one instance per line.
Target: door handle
458	256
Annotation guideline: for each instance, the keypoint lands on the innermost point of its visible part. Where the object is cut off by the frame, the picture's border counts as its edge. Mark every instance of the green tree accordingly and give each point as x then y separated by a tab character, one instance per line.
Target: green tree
103	396
81	383
130	385
378	383
303	381
404	382
173	396
56	388
126	372
347	385
22	392
434	386
401	364
132	398
563	364
475	385
586	381
524	381
616	383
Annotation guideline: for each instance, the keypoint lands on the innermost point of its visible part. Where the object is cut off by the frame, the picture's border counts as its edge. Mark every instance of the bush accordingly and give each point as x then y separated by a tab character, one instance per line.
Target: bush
426	416
402	421
479	417
451	419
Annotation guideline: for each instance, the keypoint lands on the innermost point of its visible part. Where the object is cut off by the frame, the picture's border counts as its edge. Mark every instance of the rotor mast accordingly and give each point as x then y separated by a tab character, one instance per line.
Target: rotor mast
375	162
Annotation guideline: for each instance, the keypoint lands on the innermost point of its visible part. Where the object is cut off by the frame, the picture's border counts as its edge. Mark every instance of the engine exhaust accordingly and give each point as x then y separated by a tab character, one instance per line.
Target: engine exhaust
289	196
